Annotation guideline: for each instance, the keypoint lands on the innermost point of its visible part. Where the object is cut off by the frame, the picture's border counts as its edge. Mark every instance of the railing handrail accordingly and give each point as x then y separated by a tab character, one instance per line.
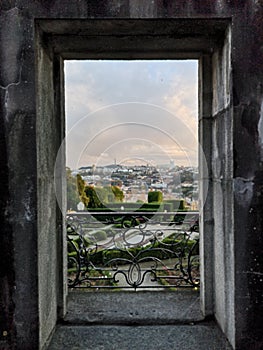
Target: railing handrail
133	249
112	213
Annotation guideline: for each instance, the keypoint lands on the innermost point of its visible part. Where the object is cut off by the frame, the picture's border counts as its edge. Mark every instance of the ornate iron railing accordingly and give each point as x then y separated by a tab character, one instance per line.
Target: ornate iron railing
124	250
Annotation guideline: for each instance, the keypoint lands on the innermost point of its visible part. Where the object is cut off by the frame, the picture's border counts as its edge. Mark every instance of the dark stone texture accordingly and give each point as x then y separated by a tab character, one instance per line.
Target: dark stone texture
247	77
247	118
7	275
18	205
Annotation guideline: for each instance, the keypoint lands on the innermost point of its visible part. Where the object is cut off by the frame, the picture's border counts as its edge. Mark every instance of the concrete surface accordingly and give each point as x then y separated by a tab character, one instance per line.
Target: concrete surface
191	337
136	320
133	308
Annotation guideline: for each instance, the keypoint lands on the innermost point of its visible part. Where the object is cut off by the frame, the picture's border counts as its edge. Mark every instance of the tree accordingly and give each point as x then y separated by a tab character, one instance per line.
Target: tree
118	193
81	190
101	196
72	191
94	201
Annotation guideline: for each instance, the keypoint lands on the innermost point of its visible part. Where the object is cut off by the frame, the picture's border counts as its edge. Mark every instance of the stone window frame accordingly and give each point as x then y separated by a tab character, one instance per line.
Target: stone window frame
207	40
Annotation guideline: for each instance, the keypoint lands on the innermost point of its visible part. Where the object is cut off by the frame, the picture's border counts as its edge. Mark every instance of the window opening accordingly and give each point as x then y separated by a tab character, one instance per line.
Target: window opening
132	174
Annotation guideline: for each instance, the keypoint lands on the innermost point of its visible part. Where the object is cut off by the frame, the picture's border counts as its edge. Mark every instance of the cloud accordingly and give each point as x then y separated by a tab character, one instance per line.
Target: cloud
108	102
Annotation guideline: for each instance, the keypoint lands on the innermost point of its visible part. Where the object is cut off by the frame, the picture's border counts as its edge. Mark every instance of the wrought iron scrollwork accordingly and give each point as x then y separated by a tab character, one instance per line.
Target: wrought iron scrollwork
131	250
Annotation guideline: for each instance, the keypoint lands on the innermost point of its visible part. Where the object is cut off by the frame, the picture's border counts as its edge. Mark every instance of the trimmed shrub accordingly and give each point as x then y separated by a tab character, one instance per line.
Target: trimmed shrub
177	204
100	235
128	206
167	206
155	196
146	207
154	206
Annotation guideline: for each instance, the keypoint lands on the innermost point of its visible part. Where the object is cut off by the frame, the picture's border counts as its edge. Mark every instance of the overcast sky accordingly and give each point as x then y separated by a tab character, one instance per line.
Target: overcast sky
131	111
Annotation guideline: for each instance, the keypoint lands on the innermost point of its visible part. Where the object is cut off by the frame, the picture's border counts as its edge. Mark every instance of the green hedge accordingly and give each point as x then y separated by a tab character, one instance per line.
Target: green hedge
76	243
126	205
162	251
153	206
129	207
149	208
167	206
177	204
155	196
100	235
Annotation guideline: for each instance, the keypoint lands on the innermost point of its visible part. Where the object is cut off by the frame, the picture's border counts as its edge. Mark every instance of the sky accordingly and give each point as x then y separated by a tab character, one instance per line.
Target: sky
131	112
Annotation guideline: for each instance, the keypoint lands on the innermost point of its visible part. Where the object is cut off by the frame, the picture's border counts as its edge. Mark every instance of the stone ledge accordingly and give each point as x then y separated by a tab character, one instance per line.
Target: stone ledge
201	337
129	308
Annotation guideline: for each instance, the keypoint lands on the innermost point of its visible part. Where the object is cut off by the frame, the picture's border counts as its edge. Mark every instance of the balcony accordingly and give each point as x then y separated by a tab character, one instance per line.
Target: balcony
133	250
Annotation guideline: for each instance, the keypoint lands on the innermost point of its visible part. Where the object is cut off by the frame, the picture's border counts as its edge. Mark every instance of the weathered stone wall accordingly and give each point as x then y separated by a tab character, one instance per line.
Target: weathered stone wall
19	291
247	61
222	177
27	305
